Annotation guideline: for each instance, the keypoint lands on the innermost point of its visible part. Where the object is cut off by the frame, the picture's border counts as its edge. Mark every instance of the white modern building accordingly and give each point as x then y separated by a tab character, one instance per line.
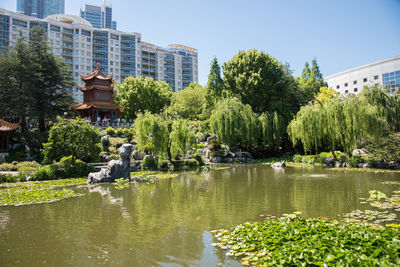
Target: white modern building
385	72
120	54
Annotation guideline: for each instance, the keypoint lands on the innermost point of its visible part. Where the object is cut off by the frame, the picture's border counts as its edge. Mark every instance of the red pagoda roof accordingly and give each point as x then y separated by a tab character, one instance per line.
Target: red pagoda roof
97	105
8	126
96	74
97	86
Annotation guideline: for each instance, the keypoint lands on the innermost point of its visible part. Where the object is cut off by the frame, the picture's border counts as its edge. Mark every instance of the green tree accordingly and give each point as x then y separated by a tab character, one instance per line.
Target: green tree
182	138
136	95
214	88
152	134
72	137
343	122
325	94
187	103
311	80
35	84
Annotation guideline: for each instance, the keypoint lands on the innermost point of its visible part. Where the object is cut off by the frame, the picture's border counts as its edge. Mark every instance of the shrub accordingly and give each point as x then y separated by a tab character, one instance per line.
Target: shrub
8	178
355	160
67	169
110	131
114	156
149	163
190	163
320	158
44	173
214	145
297	158
129	133
197	156
105	143
119	131
199	145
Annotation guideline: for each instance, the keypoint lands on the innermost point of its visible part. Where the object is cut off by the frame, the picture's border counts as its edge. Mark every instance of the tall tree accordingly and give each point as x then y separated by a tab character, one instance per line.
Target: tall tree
214	88
136	95
311	80
187	103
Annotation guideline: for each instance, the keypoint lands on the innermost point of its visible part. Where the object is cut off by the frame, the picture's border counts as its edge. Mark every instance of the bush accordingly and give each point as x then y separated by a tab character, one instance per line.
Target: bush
129	133
67	169
355	160
199	145
297	158
110	131
105	143
8	178
114	156
119	131
149	163
190	163
197	156
44	173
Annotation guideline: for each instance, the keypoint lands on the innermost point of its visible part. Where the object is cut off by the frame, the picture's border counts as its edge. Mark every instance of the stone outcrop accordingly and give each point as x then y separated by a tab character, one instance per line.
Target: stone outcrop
115	168
281	164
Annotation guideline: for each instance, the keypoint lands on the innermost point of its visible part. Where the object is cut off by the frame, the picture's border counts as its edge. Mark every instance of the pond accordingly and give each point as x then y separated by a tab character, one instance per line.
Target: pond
167	223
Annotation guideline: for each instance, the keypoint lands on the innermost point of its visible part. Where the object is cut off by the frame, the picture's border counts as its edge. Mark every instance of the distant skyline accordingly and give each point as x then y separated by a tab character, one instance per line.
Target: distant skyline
340	34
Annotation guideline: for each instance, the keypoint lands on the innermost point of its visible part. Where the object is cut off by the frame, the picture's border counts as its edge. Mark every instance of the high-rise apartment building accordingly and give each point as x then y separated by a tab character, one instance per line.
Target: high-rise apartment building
120	54
40	8
99	16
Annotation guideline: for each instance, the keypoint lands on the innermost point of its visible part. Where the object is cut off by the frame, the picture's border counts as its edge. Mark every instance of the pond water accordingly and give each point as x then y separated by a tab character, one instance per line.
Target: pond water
167	223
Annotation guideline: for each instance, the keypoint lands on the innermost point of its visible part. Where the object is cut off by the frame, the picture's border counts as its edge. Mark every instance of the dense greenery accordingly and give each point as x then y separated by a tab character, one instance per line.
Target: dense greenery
35	86
311	80
136	95
297	241
187	104
214	88
72	137
386	149
182	138
343	122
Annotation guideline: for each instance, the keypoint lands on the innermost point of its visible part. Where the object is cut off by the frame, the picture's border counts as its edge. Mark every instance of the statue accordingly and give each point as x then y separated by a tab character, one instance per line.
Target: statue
116	168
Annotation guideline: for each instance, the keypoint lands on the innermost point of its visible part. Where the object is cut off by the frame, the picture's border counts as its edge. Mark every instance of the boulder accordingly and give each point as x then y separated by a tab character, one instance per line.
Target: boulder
206	152
381	165
248	160
246	155
338	164
394	165
137	155
279	164
229	160
330	162
346	165
115	168
214	137
216	159
364	165
357	152
238	154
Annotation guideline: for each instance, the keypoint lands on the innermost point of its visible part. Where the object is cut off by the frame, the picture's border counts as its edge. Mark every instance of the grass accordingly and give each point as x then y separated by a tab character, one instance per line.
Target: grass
28	193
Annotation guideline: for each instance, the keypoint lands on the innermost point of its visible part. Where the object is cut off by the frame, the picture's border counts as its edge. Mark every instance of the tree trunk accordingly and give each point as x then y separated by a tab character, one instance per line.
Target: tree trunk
333	153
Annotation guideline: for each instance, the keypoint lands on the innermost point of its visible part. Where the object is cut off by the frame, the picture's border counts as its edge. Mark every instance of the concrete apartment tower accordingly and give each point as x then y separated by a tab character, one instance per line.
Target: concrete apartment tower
40	8
99	16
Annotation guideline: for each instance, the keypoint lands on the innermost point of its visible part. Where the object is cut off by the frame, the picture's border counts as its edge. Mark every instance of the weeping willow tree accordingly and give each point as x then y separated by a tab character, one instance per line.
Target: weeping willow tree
237	125
343	122
152	134
182	138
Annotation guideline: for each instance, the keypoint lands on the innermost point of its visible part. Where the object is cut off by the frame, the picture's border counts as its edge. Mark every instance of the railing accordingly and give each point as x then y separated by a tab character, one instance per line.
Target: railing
114	125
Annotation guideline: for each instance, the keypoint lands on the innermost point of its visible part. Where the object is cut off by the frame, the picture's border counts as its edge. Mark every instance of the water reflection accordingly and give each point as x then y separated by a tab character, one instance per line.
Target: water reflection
167	223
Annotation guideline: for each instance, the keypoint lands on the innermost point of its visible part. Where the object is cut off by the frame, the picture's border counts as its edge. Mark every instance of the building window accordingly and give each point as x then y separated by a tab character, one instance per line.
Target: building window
346	84
376	77
354	82
337	86
346	91
355	89
365	80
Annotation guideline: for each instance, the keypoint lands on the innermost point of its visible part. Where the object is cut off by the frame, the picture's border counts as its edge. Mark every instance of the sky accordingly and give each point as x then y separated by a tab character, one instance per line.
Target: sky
340	34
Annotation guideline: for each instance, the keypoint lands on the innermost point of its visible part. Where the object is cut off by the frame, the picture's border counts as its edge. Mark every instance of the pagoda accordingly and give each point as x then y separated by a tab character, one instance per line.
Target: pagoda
6	128
98	98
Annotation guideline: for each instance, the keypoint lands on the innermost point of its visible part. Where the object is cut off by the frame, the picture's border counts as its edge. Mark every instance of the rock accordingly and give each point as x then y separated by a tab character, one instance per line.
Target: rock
357	152
204	137
381	165
311	161
216	159
279	164
115	168
229	160
248	160
246	155
338	164
346	165
394	165
238	154
364	165
206	152
330	162
137	155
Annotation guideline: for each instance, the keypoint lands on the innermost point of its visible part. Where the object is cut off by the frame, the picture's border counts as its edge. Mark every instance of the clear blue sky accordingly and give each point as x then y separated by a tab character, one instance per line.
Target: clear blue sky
341	34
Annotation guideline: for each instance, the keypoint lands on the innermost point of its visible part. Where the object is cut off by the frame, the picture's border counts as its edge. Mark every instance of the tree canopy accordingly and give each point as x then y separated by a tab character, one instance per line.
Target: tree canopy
136	95
214	88
187	104
72	137
182	138
311	80
35	84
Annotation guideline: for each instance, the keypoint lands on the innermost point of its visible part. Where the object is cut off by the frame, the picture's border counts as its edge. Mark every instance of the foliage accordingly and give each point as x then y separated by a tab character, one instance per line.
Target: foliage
386	149
197	156
355	160
105	143
110	131
35	85
214	88
297	158
27	193
151	133
136	95
311	80
149	163
259	80
45	172
296	241
66	168
341	121
182	138
72	137
325	94
187	103
119	132
121	183
129	134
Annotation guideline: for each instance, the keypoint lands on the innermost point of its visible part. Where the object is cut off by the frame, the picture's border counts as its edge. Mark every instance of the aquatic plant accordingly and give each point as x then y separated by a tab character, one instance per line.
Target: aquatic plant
121	183
297	241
